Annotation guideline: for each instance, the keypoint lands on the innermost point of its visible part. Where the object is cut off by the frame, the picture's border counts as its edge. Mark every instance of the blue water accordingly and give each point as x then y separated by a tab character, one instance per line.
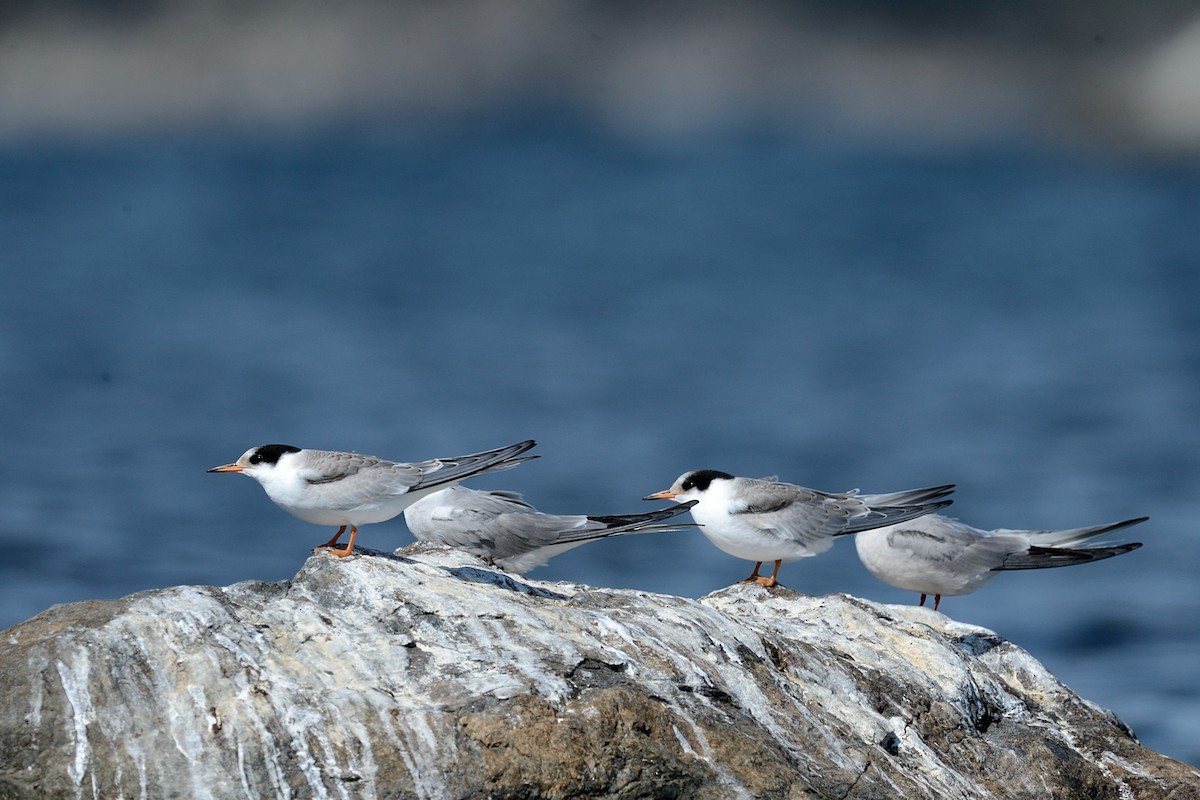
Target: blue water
840	312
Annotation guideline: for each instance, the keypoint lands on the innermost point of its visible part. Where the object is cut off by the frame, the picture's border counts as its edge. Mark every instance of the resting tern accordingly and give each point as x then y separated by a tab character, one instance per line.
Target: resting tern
937	555
326	487
511	533
765	520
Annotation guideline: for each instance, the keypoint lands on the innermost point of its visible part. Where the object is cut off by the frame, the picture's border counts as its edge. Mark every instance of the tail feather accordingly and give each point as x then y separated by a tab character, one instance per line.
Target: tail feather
1046	557
1073	536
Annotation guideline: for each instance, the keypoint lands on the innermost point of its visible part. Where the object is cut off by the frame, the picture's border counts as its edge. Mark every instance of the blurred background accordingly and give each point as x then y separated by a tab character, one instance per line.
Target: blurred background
852	244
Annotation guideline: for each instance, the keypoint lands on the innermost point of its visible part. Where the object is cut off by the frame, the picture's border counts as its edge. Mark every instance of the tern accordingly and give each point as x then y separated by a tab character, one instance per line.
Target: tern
327	487
936	555
503	528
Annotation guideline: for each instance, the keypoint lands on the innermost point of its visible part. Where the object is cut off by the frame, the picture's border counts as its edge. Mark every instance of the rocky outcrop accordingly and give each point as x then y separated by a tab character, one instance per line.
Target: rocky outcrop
431	675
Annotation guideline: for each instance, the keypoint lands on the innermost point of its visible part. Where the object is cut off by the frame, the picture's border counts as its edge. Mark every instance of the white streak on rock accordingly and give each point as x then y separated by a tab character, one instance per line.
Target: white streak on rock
74	679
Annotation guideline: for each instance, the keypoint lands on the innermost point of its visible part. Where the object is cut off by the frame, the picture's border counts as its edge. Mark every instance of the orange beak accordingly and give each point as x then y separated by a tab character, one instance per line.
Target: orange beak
226	468
665	494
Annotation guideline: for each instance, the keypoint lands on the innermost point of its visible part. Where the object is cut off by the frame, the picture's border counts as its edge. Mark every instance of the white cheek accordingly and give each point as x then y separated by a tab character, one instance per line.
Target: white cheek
271	480
709	513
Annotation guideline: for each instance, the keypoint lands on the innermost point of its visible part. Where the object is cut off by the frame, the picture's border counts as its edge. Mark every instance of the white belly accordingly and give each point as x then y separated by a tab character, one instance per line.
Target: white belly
322	508
905	569
733	536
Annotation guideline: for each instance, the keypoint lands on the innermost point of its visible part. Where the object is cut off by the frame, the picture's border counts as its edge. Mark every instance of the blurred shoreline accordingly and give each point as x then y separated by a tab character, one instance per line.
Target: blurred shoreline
1118	78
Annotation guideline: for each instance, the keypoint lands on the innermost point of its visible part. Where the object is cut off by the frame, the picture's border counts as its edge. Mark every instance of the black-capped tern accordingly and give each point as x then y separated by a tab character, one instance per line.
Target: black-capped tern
937	555
501	527
764	520
326	487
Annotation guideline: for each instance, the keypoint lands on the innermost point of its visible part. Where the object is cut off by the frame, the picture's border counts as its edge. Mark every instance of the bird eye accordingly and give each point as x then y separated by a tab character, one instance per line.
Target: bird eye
257	458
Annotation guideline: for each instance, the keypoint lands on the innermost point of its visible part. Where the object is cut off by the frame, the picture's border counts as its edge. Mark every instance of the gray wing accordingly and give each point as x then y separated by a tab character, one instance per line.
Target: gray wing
437	471
460	500
490	524
808	515
882	516
766	497
957	548
907	497
952	547
351	480
359	479
792	512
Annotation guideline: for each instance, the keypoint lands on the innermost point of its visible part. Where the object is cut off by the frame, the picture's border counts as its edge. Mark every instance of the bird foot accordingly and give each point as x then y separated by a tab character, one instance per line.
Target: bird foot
759	579
340	552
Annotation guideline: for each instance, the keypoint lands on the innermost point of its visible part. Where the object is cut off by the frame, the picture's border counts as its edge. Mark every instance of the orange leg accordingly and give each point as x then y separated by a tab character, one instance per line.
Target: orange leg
349	548
332	542
769	582
753	575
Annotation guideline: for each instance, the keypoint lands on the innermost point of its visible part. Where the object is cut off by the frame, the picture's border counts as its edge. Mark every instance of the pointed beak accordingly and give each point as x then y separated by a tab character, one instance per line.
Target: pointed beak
665	494
226	468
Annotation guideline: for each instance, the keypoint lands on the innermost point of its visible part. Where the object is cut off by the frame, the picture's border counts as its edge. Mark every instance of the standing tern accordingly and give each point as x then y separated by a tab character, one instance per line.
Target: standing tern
326	487
937	555
511	533
764	520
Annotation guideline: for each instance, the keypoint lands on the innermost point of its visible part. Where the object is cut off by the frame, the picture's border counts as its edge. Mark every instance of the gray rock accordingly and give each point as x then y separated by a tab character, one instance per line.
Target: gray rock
431	675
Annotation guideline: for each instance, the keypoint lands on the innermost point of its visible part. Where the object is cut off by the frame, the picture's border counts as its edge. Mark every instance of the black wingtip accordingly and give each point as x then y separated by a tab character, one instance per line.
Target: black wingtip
1048	557
521	447
651	516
